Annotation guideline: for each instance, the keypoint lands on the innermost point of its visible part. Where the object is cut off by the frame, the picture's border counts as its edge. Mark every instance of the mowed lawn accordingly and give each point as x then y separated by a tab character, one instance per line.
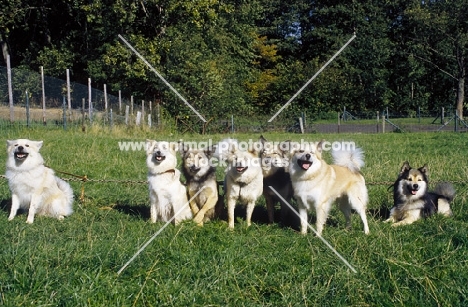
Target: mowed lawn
74	262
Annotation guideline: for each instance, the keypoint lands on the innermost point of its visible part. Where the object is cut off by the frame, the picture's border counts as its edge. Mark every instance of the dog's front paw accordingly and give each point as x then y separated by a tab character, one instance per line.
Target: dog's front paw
198	219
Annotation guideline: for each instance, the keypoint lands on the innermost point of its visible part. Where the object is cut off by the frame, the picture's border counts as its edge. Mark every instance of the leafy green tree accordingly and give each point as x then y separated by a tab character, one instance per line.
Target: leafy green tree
441	33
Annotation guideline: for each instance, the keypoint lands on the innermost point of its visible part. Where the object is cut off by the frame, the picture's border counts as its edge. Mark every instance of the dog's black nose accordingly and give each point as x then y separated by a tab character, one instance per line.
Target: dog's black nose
307	156
20	148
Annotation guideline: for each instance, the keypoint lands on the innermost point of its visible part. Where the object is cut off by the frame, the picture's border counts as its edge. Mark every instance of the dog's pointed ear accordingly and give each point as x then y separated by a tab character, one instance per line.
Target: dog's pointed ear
287	148
183	148
209	151
319	149
256	148
424	170
405	167
174	146
38	144
320	145
150	146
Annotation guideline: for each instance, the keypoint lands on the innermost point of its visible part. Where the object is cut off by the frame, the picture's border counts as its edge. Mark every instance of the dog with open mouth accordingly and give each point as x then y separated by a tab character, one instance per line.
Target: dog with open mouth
200	174
412	199
244	179
317	184
33	185
168	196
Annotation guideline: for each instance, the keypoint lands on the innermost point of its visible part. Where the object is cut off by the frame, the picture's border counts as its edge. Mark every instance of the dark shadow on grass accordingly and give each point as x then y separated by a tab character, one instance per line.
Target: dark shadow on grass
381	213
142	211
5	205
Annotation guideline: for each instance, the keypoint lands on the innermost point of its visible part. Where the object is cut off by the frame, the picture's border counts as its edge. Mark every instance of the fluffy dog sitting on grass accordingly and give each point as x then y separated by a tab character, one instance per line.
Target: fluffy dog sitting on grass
201	182
167	194
34	186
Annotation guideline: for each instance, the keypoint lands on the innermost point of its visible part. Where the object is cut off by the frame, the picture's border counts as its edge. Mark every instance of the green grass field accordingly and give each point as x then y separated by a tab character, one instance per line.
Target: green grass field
74	262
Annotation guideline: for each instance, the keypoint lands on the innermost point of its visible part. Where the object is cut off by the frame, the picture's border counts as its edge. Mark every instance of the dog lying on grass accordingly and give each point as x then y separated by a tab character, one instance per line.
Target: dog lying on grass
412	199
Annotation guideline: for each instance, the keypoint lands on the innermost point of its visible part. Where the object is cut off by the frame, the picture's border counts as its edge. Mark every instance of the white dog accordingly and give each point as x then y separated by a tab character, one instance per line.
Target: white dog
244	180
34	186
168	196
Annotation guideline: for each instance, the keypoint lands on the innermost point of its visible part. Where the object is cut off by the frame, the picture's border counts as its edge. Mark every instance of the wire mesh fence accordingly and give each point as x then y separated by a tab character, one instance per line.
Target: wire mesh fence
40	100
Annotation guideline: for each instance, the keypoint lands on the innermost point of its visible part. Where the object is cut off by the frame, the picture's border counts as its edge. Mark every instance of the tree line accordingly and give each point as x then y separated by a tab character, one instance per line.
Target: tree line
248	56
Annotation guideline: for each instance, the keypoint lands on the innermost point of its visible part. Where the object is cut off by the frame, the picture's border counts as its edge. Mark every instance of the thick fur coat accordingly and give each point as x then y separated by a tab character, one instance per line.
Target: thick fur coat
168	196
317	184
34	186
412	199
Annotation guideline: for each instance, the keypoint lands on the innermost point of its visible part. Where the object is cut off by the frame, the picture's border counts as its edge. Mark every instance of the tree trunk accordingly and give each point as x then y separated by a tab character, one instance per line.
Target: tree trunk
4	47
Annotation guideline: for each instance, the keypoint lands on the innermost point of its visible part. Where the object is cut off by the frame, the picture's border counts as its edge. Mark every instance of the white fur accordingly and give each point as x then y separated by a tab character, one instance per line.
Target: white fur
34	186
168	196
351	159
246	186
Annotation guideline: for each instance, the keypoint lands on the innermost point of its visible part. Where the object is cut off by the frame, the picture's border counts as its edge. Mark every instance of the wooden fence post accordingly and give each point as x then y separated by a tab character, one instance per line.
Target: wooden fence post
127	111
90	103
383	122
138	118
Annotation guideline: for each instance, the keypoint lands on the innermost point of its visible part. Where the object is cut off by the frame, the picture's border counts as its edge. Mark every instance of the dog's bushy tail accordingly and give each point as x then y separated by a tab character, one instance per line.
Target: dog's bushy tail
446	189
67	190
351	159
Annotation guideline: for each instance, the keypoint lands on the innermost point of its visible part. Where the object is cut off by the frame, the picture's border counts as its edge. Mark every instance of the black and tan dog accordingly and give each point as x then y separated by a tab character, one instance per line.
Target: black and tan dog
412	199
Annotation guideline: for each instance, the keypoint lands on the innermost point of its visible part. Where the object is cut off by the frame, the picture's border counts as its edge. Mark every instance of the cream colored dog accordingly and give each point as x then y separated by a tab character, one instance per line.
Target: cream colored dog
34	186
244	180
318	184
168	196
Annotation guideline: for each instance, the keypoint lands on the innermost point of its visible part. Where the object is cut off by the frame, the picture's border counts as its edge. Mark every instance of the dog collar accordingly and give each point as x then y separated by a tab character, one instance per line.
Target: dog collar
168	171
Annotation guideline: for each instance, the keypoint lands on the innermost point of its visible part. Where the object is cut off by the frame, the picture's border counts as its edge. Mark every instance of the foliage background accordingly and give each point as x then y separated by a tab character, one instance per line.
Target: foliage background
246	56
